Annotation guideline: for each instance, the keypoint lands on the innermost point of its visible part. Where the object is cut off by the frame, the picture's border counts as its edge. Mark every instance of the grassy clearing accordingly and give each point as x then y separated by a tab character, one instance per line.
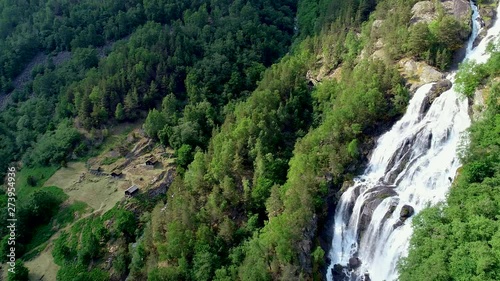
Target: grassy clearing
100	193
38	177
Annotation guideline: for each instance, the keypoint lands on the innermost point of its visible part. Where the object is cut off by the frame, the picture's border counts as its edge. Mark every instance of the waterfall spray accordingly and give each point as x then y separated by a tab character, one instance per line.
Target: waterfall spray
411	166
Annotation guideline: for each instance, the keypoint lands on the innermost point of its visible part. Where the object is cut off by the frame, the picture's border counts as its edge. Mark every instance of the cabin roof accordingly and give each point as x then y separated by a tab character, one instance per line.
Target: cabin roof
132	189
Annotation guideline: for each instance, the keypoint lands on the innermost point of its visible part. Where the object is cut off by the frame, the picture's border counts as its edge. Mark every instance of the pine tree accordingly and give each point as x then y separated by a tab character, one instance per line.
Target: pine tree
119	112
131	103
419	42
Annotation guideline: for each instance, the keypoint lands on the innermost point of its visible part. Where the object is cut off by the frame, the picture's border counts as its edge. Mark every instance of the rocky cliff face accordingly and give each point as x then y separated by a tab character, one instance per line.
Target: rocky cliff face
416	73
427	11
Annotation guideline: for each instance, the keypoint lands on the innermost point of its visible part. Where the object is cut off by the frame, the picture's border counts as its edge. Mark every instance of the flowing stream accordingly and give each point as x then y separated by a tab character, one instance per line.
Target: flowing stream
411	166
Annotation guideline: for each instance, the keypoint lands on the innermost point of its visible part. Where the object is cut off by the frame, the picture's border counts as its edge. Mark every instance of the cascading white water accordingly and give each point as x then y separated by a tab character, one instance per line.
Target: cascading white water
411	166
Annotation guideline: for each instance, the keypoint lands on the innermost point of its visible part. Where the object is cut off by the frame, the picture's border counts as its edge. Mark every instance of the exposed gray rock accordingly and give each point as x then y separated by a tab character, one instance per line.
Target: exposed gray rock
398	162
426	11
439	88
479	37
311	78
374	198
419	73
305	245
338	273
354	262
488	14
477	110
391	210
406	212
429	74
398	224
376	27
460	9
161	188
423	11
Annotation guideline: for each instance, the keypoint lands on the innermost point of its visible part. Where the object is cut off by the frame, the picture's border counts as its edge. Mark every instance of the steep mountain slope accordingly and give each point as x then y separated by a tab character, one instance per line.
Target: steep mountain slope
265	134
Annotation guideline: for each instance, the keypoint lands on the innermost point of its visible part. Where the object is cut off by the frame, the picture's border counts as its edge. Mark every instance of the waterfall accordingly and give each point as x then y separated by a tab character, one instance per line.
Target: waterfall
412	165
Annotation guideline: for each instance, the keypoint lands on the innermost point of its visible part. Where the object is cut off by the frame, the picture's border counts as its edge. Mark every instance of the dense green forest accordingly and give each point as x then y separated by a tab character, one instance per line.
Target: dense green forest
260	150
459	239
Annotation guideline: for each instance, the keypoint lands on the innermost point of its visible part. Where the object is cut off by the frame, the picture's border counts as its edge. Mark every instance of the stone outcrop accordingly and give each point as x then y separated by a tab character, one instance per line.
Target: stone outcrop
426	11
418	73
439	88
374	199
354	262
477	109
406	212
423	11
338	273
161	188
460	9
488	14
306	244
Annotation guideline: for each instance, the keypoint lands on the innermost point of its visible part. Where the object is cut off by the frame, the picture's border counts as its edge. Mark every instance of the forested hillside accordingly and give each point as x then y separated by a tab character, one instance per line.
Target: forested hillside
206	57
260	147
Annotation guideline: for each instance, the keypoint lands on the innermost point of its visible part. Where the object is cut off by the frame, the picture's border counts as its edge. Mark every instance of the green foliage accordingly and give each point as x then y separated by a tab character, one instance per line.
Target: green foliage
20	273
85	243
80	273
448	32
353	148
262	148
119	112
57	26
54	146
420	38
184	155
154	123
126	223
469	77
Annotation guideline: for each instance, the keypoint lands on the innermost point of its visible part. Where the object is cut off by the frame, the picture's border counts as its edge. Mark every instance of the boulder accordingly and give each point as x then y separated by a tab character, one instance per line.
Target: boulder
354	263
429	74
460	9
397	224
419	73
488	14
406	212
398	161
377	24
438	88
338	273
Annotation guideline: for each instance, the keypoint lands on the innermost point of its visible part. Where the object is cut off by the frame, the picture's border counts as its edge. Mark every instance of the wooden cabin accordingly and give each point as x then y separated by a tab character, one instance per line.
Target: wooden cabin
131	191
